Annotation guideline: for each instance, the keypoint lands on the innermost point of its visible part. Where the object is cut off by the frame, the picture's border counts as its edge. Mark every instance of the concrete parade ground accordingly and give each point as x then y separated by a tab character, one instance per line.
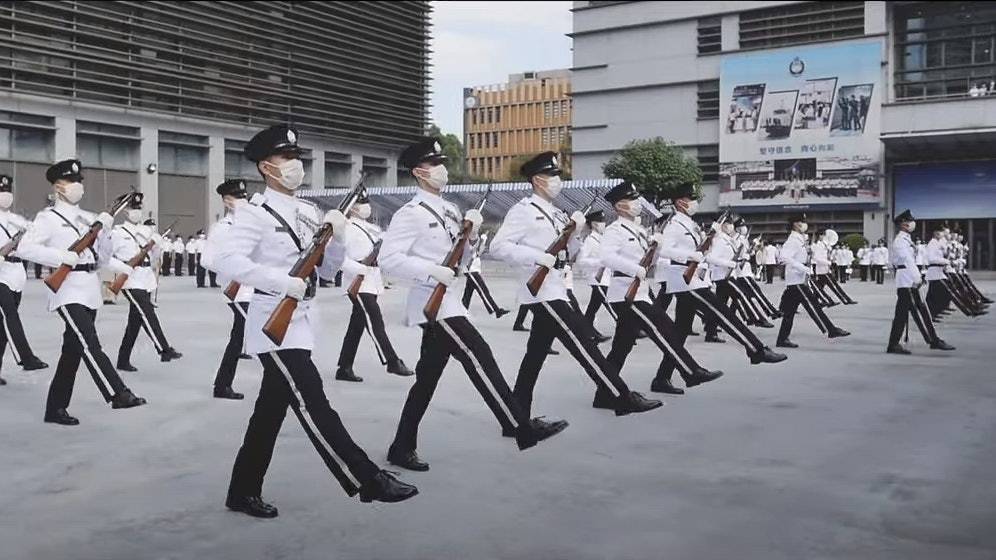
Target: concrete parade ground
842	451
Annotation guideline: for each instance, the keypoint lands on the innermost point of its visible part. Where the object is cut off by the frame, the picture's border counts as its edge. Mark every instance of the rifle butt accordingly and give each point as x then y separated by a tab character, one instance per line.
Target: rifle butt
431	310
276	326
634	287
354	286
231	290
537	279
55	280
119	282
690	272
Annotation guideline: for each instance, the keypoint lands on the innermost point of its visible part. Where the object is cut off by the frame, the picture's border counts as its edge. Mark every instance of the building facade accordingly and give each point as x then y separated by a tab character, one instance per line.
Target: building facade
848	111
505	123
162	96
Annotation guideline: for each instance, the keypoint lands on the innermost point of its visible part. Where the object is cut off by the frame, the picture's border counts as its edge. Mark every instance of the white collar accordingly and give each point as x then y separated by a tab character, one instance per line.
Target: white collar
272	194
62	206
423	195
542	203
682	217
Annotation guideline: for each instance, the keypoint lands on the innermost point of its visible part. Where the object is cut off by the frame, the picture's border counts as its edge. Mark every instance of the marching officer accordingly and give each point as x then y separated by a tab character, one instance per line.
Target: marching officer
530	226
475	282
264	241
234	197
12	280
360	239
415	244
724	261
589	262
128	240
795	257
624	245
823	259
743	278
908	282
79	298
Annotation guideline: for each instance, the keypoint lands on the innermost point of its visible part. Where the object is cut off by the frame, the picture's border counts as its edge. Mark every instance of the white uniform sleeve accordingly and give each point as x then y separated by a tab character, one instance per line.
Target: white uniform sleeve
588	259
506	243
234	250
785	257
33	245
352	253
395	257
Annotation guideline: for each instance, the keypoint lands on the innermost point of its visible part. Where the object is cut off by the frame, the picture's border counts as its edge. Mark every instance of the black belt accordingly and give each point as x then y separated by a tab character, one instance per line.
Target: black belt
309	293
85	267
676	263
901	267
620	275
12	259
935	265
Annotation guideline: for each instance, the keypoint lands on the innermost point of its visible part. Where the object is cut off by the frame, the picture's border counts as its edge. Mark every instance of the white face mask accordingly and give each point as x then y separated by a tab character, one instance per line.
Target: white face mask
633	208
693	207
437	177
728	229
134	216
73	192
291	174
803	227
553	186
6	200
598	227
742	230
362	211
911	226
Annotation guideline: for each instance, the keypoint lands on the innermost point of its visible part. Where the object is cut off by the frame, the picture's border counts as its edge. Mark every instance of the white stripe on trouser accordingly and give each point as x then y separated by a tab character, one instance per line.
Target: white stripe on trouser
917	302
145	321
480	291
238	309
370	331
661	340
767	305
836	289
734	332
605	302
87	356
307	419
10	339
581	348
745	304
954	295
810	309
479	371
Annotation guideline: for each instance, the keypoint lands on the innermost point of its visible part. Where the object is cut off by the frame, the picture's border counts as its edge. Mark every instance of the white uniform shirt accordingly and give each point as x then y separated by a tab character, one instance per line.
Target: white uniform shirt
47	240
904	259
358	243
770	255
530	226
864	256
11	274
880	256
821	257
624	244
417	240
178	247
744	270
721	257
795	257
589	261
844	257
216	235
935	259
256	250
921	254
682	236
128	240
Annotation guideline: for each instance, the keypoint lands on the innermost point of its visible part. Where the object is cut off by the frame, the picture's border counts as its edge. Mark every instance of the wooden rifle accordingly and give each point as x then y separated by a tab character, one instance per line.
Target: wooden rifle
559	244
705	245
369	260
11	245
740	257
55	280
649	260
276	326
452	260
143	253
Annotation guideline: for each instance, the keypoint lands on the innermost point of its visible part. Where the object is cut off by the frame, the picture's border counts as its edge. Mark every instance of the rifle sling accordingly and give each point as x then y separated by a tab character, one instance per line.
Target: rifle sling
70	224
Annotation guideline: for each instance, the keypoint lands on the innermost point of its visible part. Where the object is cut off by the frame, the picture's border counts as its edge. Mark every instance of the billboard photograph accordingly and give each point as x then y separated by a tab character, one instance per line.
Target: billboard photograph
803	126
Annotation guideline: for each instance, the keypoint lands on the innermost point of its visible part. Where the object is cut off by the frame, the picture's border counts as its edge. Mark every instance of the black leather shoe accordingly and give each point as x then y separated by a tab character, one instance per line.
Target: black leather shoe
635	402
398	367
552	352
766	355
227	393
539	424
659	385
535	432
786	344
245	357
126	366
777	315
346	374
715	338
600	338
831	304
33	364
251	505
702	375
385	488
170	354
499	313
3	381
61	417
519	328
897	349
641	335
693	333
126	399
850	302
940	345
838	333
604	401
406	460
764	324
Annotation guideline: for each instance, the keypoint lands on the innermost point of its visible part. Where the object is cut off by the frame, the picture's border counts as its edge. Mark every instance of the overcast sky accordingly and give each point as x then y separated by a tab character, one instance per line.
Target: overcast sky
480	43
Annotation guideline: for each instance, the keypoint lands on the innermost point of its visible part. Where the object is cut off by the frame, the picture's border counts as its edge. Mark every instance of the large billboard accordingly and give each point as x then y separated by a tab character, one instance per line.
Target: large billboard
800	126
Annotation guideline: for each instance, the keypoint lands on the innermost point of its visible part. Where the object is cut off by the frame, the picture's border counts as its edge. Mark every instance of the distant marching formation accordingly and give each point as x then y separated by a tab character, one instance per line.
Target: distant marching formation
269	252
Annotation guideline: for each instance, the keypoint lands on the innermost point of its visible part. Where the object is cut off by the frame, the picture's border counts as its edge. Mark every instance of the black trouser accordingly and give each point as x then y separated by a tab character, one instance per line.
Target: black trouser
338	279
192	260
769	273
79	341
520	317
938	297
457	337
213	279
728	292
230	360
663	299
792	297
596	301
13	330
826	281
864	272
178	264
141	315
475	283
908	302
750	288
167	264
366	315
558	320
291	378
957	295
878	273
38	271
200	272
641	316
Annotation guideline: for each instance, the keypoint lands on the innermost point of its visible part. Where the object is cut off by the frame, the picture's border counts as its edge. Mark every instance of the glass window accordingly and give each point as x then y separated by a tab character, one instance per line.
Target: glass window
957	53
32	145
982	50
497	114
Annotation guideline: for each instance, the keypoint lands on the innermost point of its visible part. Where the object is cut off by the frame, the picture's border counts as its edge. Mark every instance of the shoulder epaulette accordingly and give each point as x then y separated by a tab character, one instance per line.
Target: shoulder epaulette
258	199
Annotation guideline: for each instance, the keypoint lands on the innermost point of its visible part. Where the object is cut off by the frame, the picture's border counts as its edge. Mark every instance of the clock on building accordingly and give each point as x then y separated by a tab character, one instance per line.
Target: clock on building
470	102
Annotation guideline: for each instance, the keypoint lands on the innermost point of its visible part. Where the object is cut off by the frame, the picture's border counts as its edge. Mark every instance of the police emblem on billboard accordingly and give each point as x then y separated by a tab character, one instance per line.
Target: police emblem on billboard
291	137
797	66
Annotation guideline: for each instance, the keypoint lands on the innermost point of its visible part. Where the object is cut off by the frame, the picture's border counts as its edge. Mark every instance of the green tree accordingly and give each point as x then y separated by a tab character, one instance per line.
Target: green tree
566	159
655	166
514	165
854	241
453	149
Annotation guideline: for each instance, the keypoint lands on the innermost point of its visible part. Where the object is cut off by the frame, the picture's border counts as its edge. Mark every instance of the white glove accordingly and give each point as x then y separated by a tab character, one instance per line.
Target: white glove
658	238
70	258
716	226
475	217
641	273
579	221
158	239
125	269
546	260
295	288
337	220
106	220
442	274
697	256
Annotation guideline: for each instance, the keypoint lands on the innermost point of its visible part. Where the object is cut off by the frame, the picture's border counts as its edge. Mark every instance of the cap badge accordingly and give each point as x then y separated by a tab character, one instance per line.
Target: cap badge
291	137
76	168
437	147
